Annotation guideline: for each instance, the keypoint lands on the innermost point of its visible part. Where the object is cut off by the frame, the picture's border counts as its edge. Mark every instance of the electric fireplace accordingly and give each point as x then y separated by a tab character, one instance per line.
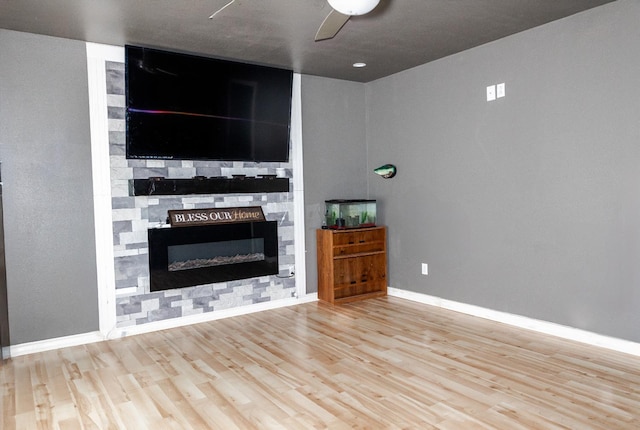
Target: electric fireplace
197	255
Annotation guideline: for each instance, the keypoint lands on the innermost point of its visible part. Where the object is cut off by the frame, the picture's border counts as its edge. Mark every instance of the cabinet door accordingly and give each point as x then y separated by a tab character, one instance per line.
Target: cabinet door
359	275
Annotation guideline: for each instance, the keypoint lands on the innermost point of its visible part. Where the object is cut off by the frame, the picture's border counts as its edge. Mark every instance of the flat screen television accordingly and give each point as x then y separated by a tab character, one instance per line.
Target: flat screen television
187	107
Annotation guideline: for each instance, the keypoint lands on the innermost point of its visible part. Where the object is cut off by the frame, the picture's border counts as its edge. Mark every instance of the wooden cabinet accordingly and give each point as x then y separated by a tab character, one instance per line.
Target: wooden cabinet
352	264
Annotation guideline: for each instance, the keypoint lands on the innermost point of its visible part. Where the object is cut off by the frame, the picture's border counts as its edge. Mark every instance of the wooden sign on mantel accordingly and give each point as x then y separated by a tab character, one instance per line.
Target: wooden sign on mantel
191	217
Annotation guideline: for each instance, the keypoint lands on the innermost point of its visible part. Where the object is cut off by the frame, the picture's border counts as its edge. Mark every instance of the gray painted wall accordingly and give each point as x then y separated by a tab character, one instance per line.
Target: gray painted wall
334	151
48	203
529	204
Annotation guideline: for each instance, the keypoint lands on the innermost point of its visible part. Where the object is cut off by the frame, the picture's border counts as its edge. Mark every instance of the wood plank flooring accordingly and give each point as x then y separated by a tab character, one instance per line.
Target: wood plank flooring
384	363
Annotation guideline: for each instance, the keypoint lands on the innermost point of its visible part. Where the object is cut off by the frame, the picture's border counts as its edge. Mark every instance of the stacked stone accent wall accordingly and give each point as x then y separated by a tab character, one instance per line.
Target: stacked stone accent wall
132	216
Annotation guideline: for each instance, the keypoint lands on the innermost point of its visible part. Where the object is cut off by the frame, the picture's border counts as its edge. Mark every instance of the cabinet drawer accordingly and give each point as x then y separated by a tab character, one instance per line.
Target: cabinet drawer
360	236
346	250
358	242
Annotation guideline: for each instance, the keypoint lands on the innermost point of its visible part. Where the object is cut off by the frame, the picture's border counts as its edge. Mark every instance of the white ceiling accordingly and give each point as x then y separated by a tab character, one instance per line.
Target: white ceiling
397	35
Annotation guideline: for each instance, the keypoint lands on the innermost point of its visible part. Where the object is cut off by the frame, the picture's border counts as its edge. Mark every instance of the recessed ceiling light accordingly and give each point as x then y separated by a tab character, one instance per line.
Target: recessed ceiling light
359	65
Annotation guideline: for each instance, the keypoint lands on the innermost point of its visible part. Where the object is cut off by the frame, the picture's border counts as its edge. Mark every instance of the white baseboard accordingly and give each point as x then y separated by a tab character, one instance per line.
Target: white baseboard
81	339
56	343
545	327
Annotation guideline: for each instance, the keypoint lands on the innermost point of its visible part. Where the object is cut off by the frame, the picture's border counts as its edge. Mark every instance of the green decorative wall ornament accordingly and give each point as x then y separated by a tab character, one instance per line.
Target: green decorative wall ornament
387	171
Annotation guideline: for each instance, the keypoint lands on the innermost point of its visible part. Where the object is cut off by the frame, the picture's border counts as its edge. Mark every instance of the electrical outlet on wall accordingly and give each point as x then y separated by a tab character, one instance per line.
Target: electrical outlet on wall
287	272
425	269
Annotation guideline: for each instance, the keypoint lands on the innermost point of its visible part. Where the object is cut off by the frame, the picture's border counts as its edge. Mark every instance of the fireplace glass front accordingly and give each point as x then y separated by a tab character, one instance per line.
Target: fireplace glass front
188	256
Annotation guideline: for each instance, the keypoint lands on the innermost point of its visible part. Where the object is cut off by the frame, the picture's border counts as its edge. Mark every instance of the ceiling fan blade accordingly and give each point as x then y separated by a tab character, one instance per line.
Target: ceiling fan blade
331	25
221	9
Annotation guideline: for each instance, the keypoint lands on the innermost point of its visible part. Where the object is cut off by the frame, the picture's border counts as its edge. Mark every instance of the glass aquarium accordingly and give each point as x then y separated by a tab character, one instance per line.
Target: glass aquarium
341	214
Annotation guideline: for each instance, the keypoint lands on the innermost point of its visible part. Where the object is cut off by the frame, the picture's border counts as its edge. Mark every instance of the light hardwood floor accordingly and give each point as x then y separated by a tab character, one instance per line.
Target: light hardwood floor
380	363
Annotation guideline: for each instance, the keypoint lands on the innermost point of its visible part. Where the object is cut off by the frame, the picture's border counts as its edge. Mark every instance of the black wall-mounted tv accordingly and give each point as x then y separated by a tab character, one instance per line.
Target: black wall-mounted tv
187	107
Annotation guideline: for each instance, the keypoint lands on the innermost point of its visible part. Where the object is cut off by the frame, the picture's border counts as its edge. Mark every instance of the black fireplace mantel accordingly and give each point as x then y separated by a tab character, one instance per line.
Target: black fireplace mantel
201	185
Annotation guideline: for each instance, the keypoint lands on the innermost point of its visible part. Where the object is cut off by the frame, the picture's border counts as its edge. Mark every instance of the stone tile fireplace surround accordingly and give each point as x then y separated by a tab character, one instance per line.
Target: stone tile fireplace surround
132	216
